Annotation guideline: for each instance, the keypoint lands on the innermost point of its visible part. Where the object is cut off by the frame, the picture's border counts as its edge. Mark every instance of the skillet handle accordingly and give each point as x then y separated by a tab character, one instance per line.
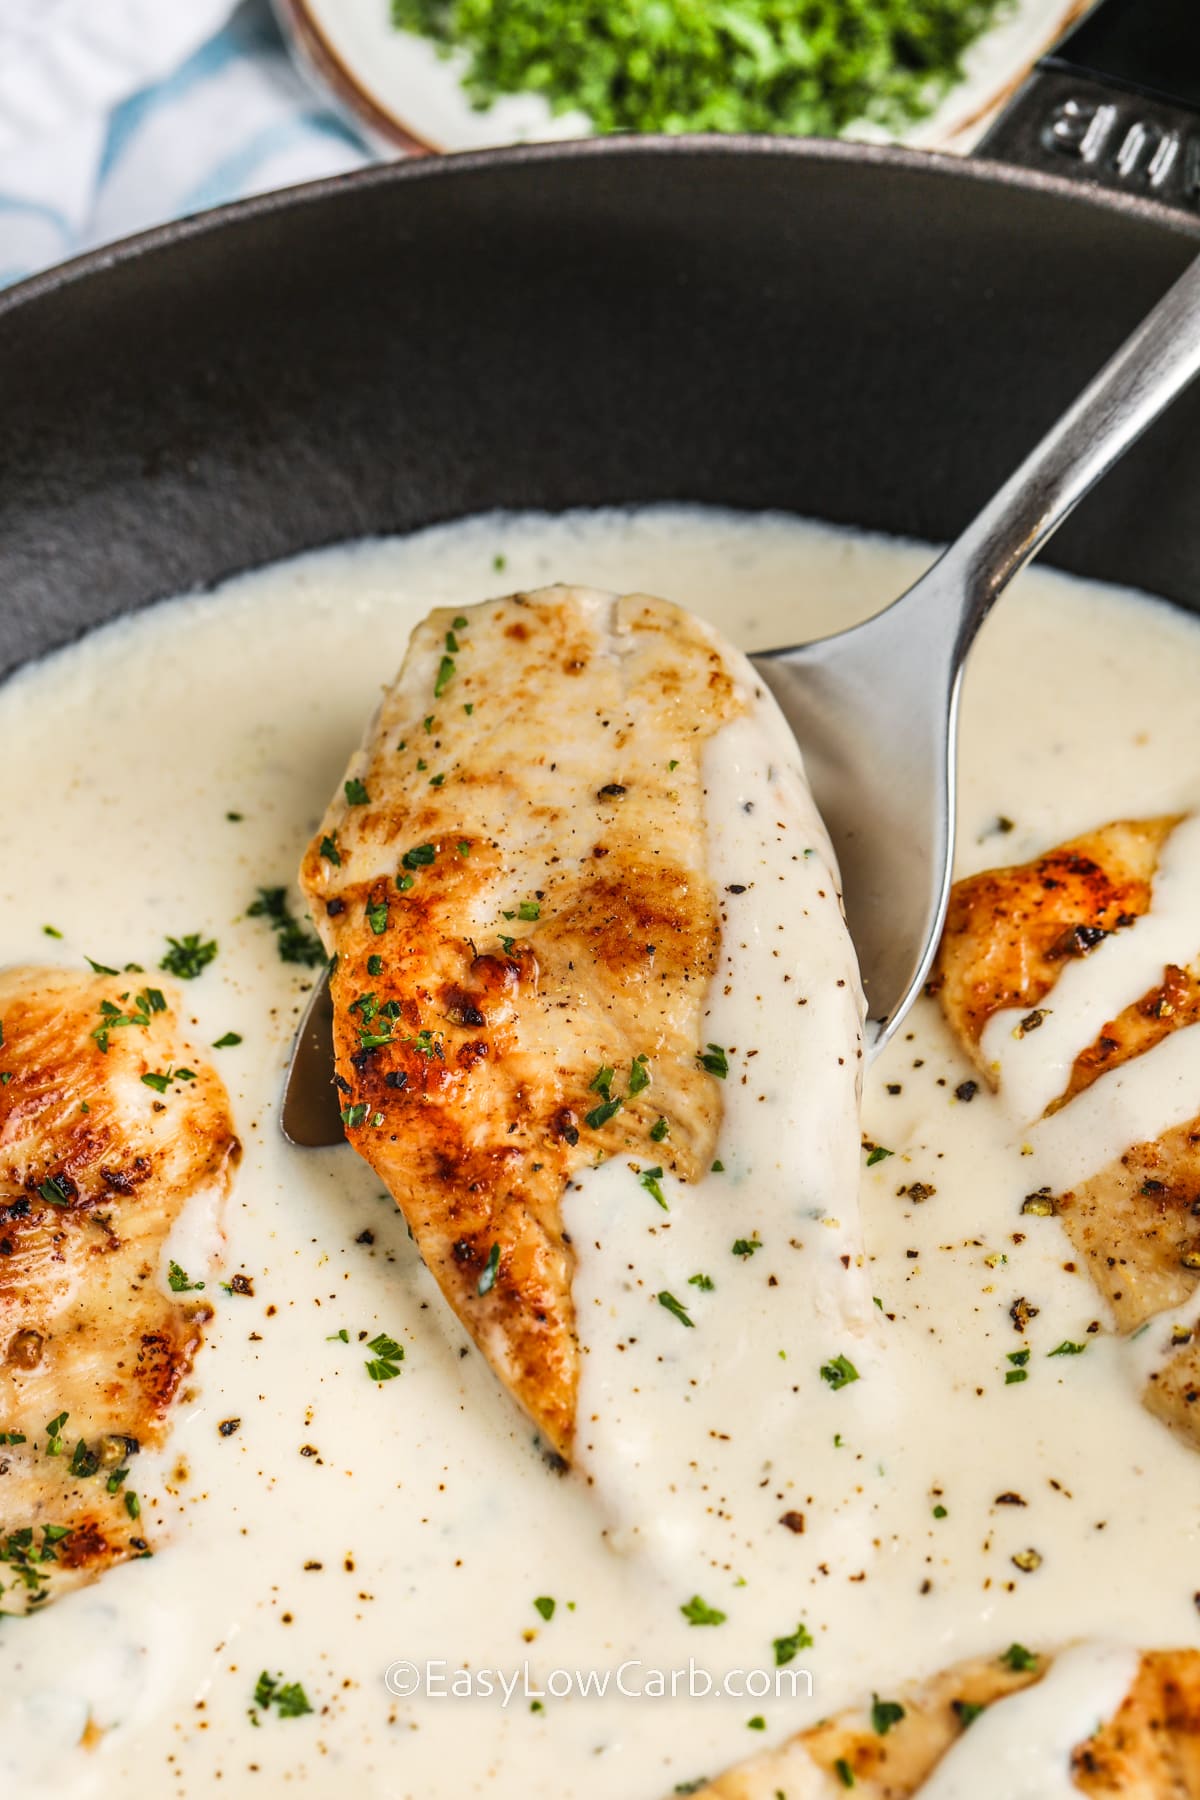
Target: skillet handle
1116	104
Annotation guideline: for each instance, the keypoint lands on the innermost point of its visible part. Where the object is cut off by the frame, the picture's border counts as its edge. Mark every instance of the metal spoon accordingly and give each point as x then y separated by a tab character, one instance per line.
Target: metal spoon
875	708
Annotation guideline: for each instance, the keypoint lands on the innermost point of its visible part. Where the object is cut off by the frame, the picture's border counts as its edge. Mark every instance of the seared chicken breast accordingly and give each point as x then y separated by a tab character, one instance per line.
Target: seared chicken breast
110	1123
513	883
1148	1750
1009	934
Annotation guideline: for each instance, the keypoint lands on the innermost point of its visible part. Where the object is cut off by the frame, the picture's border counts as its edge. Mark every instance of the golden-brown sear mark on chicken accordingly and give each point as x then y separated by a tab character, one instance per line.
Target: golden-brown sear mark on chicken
95	1167
514	885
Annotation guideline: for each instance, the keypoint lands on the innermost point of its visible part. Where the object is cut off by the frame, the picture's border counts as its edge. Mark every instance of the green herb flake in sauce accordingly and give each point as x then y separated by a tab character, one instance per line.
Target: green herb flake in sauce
697	1612
227	1040
876	1154
639	1075
677	1309
445	676
180	1282
659	1130
387	1355
789	1647
705	1283
187	956
651	1180
545	1605
715	1061
294	941
839	1373
745	1247
1067	1348
1020	1660
356	792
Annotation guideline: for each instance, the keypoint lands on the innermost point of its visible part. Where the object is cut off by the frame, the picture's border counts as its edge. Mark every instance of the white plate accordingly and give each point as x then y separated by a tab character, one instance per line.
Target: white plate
407	97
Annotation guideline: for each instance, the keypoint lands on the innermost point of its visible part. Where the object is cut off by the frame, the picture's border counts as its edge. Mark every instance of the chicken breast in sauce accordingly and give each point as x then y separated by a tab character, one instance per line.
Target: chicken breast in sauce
1136	1221
110	1124
513	882
1149	1749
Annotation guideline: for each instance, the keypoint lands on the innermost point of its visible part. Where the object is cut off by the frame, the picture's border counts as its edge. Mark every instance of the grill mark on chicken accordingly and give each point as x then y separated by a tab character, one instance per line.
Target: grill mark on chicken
518	901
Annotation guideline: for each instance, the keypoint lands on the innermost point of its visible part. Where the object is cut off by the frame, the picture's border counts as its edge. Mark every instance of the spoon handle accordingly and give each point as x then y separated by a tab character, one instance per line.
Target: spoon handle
1150	370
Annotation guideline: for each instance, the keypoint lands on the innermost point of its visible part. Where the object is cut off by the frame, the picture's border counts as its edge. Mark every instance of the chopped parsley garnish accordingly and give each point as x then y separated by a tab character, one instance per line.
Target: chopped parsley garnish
377	917
718	1168
356	793
529	909
715	1061
355	1115
452	643
227	1040
545	1606
133	1505
1013	1376
487	1280
187	956
84	1462
697	1612
639	1076
287	1697
52	931
839	1373
940	1512
179	1282
1019	1357
602	1080
97	968
877	1154
55	1190
506	944
659	1130
294	941
745	1247
651	1180
160	1083
461	623
464	846
757	1723
338	1337
1019	1659
436	780
788	1648
705	1283
330	851
469	708
387	1355
445	676
1067	1348
54	1434
845	1773
677	1308
419	857
885	1714
374	965
600	1115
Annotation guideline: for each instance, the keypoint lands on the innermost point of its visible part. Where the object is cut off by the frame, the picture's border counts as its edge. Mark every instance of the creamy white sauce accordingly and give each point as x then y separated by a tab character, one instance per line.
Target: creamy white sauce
1020	1748
433	1519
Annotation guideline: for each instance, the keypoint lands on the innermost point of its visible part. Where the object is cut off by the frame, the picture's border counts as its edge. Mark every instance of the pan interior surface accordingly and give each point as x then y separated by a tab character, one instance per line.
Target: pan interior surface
867	337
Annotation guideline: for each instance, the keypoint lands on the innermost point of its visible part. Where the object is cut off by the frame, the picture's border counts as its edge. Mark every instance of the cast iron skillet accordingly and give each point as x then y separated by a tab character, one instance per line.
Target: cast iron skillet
861	335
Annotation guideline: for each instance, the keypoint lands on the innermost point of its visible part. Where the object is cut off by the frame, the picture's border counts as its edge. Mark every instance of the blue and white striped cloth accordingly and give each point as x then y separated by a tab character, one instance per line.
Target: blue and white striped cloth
119	114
